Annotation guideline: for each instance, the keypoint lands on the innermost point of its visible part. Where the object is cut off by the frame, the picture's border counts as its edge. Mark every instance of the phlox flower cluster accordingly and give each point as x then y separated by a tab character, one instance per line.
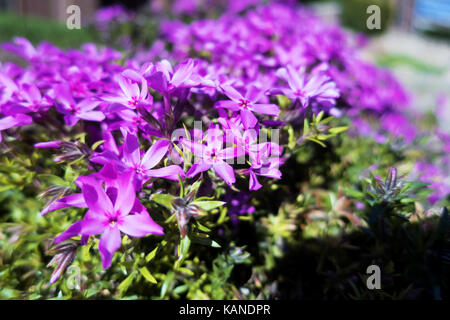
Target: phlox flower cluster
226	73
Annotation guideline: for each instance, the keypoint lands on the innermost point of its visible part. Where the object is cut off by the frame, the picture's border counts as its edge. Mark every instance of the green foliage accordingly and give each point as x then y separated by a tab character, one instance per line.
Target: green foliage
39	29
324	223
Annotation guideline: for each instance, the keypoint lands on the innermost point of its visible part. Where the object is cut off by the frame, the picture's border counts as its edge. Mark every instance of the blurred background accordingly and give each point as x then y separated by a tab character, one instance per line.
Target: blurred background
414	39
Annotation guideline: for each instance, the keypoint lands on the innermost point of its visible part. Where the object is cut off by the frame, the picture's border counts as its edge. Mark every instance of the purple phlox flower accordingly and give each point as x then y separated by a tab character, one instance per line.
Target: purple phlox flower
266	167
316	87
247	140
437	177
7	88
83	81
91	52
48	144
21	47
247	104
165	80
74	111
144	71
14	121
399	126
109	213
30	100
115	12
130	157
130	94
143	166
212	155
74	200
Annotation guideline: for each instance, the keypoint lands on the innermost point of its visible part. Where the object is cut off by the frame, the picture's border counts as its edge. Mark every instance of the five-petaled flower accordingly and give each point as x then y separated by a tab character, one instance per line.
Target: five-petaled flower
247	104
113	209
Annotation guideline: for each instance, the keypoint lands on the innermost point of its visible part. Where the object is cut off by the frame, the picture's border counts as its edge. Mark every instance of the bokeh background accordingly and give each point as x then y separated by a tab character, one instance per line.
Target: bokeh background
414	40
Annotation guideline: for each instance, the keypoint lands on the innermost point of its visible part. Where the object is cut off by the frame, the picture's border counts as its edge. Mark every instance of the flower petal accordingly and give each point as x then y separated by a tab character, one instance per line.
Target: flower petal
92	116
72	231
73	200
110	241
253	182
126	193
227	104
156	152
231	92
248	119
94	195
93	224
197	168
139	225
270	109
14	121
131	151
169	172
225	171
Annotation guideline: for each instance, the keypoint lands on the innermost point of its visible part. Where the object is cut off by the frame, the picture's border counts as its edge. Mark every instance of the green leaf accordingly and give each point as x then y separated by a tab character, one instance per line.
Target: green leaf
181	186
183	248
52	179
186	271
97	144
283	101
202	227
319	116
147	275
125	284
205	241
151	255
317	141
208	205
163	199
338	130
166	284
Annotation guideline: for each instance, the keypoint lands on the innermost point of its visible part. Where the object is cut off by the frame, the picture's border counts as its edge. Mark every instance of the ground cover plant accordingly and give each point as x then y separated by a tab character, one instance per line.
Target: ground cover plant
223	151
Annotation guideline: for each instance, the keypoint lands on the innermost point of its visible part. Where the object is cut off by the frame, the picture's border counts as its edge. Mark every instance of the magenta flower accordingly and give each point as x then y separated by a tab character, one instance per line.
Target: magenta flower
33	100
130	94
212	155
132	158
74	111
143	166
109	213
304	88
399	126
73	200
14	121
267	168
165	80
247	105
7	88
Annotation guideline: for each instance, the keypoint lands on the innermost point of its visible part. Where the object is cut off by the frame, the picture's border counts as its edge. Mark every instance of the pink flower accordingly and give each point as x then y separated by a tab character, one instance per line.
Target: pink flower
212	155
109	213
74	111
317	86
247	105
